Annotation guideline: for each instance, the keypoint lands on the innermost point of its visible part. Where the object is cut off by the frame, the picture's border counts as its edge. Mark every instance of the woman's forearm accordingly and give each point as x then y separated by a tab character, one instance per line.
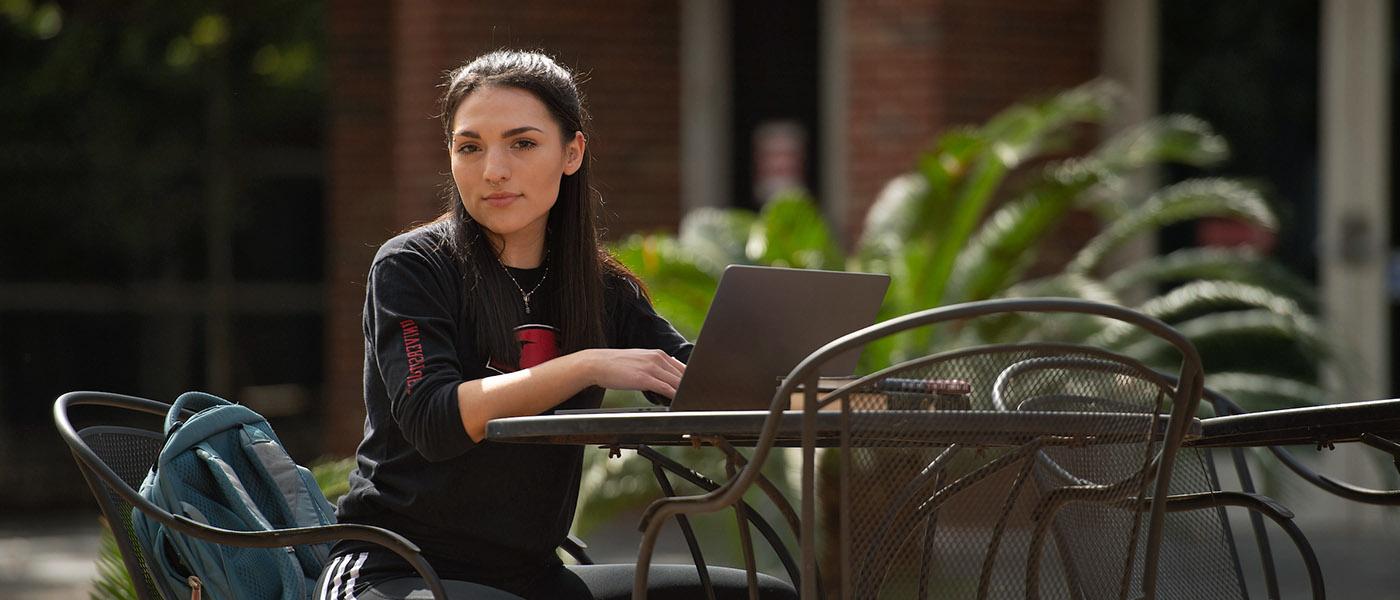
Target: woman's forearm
525	392
532	391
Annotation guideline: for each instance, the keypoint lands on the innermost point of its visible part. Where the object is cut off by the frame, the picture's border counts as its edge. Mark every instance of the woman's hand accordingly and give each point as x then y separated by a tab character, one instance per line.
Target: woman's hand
633	369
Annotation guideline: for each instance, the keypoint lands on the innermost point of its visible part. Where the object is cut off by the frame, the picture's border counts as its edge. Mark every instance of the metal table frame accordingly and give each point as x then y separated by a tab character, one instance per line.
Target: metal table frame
640	431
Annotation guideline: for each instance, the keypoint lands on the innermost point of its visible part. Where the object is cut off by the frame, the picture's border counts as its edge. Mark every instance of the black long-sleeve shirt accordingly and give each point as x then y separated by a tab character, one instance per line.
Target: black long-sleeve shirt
477	510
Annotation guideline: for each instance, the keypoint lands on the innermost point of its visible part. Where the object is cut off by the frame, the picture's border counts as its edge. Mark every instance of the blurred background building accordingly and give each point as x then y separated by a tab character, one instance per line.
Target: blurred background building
190	193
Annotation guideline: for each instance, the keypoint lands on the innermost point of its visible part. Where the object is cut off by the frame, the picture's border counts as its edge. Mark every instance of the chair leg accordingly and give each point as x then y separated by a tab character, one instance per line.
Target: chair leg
930	531
686	531
745	539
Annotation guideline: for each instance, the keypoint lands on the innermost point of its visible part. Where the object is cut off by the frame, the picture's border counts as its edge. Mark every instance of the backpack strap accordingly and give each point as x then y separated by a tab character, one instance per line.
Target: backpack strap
231	486
193	402
299	501
237	499
266	454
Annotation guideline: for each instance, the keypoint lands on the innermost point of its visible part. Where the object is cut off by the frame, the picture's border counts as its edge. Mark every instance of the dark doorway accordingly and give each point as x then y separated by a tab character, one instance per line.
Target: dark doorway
1250	69
777	89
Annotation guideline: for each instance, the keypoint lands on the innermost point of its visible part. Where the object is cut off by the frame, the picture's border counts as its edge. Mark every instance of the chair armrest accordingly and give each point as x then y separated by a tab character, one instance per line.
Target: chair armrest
1263	505
274	538
576	548
1256	502
1332	486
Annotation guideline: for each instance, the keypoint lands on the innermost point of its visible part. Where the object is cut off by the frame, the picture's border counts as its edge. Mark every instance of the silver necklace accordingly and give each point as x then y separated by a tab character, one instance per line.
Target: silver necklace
523	295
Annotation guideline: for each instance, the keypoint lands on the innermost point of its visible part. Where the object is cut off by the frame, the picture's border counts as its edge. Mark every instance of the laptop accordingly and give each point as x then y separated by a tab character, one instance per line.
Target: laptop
762	322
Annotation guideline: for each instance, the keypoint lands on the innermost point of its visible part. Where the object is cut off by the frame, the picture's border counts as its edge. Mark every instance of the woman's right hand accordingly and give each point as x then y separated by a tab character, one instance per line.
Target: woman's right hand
633	369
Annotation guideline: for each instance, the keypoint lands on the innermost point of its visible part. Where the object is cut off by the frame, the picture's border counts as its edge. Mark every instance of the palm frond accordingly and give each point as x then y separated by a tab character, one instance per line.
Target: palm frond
1301	329
1301	332
1180	139
1256	391
1015	136
1007	328
894	215
1177	139
998	254
1065	285
1185	201
944	168
1026	131
1241	264
1212	295
1201	297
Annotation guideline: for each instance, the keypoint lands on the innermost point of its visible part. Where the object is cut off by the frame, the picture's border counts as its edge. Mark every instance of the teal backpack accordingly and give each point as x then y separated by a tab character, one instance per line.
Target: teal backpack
224	467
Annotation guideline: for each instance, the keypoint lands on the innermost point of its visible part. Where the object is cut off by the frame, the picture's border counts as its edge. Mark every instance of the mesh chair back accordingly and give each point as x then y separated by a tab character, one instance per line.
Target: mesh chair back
1198	558
1040	481
128	452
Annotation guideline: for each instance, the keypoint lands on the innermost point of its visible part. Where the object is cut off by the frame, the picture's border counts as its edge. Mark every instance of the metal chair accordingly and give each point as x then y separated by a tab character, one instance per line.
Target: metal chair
114	459
1056	485
1198	558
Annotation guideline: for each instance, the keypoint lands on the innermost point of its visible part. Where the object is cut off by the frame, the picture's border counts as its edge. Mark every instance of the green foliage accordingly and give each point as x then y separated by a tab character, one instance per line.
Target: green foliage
38	22
677	279
333	477
970	223
112	581
791	232
1185	201
973	221
1240	265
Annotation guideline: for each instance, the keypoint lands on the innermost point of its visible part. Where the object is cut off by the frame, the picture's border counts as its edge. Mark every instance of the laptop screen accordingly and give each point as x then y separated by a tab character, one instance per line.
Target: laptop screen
763	321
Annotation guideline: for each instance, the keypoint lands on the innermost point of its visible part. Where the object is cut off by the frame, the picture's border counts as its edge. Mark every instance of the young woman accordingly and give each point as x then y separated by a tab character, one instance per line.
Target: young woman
506	305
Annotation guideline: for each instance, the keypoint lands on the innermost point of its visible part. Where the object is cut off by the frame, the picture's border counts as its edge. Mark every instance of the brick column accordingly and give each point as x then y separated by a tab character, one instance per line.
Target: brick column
359	202
896	103
422	51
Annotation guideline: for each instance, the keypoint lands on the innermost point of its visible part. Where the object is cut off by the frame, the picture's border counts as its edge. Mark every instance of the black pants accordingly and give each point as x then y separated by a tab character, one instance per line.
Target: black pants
583	582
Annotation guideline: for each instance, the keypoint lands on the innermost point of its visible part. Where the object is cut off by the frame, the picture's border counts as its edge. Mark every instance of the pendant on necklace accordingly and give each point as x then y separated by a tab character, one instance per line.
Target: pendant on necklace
524	296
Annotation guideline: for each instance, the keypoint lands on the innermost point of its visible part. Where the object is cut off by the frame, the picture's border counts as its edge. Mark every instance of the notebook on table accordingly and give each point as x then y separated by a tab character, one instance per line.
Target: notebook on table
762	322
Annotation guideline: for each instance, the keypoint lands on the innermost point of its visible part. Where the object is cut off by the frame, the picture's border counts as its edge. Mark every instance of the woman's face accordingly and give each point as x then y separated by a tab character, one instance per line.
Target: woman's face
507	159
